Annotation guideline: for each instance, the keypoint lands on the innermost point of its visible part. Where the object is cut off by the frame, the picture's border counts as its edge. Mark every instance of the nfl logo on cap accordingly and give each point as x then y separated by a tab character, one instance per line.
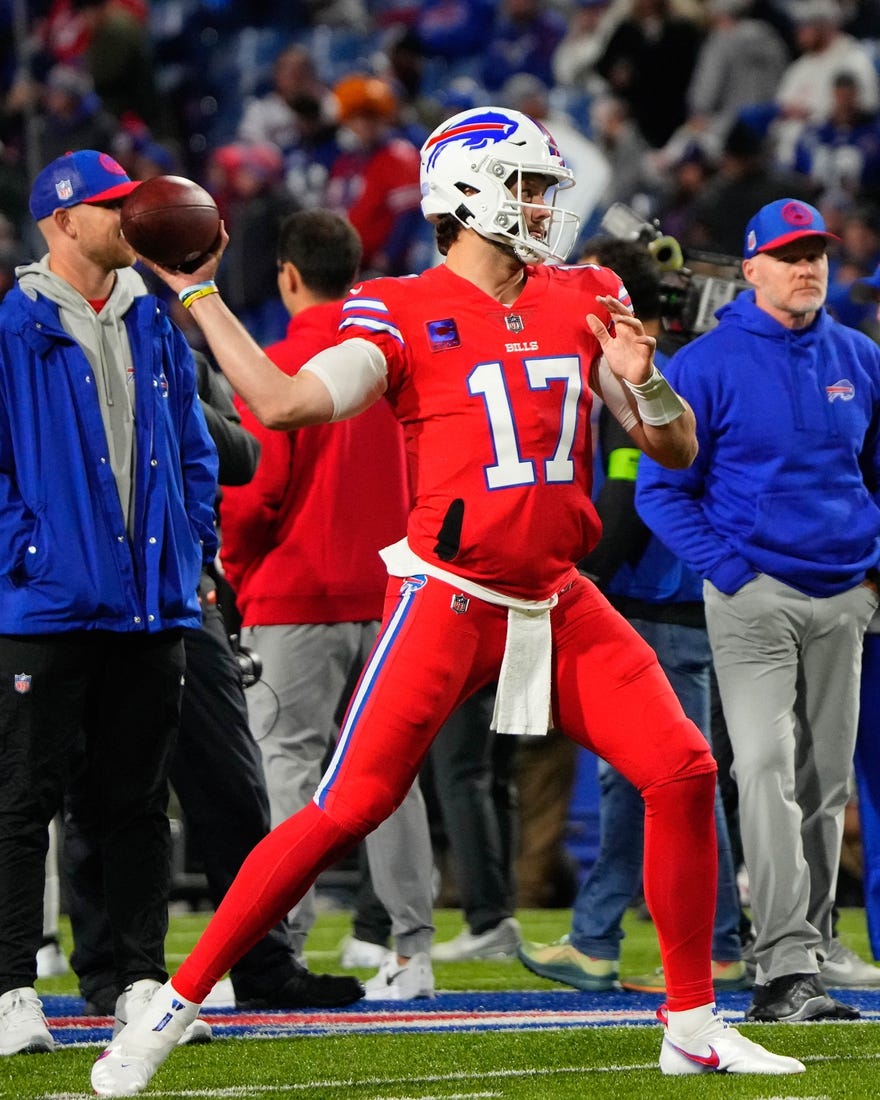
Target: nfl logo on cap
86	175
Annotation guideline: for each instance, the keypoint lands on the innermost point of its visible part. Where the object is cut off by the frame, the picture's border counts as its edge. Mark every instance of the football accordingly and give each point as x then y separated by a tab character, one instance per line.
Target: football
170	220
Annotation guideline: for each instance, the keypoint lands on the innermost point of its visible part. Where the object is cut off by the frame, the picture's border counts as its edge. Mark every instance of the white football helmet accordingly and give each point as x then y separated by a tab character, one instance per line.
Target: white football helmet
487	151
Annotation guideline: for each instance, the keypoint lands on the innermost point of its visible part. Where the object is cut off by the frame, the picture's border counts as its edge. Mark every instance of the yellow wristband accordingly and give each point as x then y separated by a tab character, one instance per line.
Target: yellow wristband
192	294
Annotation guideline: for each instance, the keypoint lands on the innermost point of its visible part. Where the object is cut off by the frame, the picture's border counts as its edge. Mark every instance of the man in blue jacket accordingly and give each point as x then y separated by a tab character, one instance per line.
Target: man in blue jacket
107	483
780	515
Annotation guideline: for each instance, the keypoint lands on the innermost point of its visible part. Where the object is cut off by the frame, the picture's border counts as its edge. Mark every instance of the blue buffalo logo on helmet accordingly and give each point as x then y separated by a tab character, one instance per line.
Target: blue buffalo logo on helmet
478	132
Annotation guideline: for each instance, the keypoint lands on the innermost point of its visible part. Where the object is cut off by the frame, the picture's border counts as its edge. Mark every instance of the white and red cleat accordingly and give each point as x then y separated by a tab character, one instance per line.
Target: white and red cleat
718	1048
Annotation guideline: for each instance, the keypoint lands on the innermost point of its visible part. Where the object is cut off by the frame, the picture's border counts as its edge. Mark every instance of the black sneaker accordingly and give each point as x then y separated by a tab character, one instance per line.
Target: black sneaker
102	1002
794	998
303	989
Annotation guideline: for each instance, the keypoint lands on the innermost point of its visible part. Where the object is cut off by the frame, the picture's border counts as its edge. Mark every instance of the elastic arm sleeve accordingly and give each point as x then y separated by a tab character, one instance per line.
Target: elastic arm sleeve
609	387
355	374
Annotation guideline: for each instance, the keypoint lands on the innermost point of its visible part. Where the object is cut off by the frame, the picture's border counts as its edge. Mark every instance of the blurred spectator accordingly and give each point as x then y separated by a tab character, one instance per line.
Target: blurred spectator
119	56
307	164
61	31
247	184
277	115
591	168
524	39
72	115
805	92
843	152
855	257
649	61
349	14
401	62
374	180
455	29
153	158
590	26
686	180
745	181
618	136
739	63
460	94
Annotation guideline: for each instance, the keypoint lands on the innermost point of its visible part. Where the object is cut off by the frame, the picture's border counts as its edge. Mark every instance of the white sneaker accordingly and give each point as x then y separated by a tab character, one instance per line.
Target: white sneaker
842	968
221	996
410	981
500	942
23	1028
51	961
354	953
134	1001
719	1048
127	1066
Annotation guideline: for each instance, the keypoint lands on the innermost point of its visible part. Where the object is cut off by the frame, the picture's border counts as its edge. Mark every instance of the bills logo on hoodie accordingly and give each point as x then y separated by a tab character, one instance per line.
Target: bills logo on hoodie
844	390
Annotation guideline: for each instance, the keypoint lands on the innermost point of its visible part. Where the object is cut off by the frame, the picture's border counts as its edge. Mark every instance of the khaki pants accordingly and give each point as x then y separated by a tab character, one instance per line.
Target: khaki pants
788	668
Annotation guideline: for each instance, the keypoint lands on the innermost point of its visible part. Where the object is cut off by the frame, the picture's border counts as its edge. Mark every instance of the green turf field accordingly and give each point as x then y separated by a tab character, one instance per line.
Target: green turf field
843	1060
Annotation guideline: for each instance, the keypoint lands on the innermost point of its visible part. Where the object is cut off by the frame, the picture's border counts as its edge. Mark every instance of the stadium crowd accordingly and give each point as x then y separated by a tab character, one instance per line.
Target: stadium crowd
694	112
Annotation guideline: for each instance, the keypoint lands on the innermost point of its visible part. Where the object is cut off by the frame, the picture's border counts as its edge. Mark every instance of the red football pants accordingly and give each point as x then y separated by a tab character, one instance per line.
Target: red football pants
434	650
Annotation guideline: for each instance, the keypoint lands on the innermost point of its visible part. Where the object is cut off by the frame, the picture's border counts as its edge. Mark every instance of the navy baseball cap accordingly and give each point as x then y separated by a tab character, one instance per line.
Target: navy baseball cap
781	222
84	176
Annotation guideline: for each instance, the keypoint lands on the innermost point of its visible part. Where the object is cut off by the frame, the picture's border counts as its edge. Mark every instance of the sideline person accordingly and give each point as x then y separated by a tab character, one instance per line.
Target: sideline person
107	483
779	514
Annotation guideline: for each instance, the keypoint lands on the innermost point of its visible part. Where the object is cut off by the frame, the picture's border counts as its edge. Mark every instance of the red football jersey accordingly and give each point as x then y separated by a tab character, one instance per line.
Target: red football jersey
495	405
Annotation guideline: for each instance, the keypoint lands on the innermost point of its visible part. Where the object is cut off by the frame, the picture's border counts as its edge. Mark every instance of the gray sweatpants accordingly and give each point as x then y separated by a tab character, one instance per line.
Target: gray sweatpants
293	715
788	668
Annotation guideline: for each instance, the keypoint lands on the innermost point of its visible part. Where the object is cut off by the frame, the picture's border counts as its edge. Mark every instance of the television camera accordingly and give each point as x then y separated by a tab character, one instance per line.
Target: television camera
692	287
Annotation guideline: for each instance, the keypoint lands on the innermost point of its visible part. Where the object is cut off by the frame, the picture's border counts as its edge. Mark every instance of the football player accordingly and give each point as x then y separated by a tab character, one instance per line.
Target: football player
489	360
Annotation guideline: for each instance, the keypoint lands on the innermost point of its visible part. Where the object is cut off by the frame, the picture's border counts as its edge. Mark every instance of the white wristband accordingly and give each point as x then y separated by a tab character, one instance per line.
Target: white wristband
657	401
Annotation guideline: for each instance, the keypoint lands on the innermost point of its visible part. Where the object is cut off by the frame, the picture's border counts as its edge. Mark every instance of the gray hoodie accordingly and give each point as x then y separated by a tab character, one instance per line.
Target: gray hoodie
104	341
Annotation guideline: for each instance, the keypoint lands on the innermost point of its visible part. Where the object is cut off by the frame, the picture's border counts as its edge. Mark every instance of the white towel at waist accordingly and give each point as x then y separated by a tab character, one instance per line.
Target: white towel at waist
522	699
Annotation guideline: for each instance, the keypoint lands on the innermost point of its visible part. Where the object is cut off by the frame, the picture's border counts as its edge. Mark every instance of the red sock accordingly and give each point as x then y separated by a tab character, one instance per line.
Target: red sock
681	879
271	880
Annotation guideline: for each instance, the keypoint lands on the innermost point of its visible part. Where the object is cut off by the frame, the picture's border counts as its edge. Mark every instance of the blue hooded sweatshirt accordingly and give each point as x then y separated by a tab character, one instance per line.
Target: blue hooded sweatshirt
787	475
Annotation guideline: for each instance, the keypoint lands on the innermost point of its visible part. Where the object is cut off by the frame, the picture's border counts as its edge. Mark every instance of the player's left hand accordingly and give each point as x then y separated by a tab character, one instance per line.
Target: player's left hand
625	344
